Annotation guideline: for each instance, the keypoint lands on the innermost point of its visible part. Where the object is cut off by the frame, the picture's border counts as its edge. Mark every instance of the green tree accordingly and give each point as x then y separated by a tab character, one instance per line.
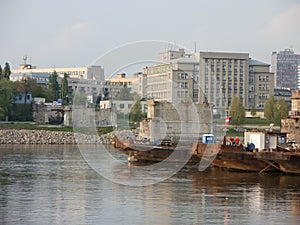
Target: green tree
136	114
53	86
7	95
6	71
64	88
0	72
237	111
253	111
269	110
282	111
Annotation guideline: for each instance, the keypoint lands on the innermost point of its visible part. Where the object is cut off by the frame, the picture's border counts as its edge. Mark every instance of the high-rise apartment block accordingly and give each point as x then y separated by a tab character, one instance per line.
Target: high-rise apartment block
285	67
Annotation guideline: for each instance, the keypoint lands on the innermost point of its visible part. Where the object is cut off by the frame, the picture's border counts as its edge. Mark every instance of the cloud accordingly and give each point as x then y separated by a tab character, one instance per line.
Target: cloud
283	29
74	36
70	42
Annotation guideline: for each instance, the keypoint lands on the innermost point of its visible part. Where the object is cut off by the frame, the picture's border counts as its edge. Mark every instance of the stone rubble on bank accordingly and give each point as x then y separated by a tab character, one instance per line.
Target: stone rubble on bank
11	136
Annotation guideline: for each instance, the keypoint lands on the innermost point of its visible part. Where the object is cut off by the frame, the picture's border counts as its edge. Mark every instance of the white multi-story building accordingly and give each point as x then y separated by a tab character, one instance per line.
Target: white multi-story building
87	86
92	72
41	78
174	80
89	80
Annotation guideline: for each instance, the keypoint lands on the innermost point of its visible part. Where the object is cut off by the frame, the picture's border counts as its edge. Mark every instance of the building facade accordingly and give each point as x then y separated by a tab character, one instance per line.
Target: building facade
93	72
261	84
114	86
175	79
223	75
88	86
89	80
285	67
41	78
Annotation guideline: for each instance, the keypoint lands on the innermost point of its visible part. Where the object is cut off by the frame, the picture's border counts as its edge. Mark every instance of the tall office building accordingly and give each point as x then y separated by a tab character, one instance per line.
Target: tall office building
223	75
285	67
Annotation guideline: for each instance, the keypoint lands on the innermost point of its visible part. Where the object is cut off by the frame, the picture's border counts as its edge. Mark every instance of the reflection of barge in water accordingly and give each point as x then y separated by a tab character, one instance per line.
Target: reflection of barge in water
288	162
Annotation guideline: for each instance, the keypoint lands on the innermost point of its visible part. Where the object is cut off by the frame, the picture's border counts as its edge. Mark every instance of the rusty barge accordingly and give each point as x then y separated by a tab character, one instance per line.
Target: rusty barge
224	156
158	153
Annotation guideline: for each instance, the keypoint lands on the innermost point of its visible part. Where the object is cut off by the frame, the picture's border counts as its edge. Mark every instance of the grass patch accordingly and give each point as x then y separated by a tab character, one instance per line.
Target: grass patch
255	121
232	132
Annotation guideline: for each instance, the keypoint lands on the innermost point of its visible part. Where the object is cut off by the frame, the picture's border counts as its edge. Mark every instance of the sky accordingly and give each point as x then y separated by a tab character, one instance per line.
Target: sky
116	34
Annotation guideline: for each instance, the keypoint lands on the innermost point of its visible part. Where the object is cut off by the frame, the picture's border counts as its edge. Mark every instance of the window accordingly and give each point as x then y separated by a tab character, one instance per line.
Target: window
182	94
182	85
121	106
182	75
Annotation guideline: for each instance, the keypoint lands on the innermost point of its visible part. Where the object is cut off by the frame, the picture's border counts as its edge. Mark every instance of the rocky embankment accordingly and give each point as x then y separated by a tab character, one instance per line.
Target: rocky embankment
11	136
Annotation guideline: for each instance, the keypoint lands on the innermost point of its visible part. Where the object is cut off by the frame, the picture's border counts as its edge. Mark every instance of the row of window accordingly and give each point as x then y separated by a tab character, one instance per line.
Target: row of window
182	75
182	94
157	79
263	78
182	85
224	60
263	87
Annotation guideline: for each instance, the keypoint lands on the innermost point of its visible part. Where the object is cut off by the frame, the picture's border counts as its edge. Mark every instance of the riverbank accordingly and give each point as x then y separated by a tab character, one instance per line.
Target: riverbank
24	136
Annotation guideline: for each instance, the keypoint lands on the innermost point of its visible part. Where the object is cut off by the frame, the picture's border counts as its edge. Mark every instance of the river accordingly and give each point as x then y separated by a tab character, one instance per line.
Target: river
53	184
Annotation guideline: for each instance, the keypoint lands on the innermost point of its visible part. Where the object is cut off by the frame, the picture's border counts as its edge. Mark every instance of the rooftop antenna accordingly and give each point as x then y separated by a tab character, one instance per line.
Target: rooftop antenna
24	59
195	46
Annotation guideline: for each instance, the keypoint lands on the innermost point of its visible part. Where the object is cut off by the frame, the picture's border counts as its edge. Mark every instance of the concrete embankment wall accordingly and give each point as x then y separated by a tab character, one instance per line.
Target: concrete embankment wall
11	136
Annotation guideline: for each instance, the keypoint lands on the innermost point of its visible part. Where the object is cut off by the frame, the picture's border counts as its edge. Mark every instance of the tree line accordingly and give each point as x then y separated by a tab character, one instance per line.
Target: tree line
9	91
274	111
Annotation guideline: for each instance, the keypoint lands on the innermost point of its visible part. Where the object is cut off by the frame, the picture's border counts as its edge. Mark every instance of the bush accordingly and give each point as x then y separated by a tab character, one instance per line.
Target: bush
21	112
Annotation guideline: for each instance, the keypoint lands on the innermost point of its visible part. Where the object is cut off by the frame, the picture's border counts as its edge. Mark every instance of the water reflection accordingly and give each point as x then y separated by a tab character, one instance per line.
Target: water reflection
54	185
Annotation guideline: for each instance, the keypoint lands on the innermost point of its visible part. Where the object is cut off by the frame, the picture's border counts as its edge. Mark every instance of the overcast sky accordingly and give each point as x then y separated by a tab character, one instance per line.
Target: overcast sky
60	33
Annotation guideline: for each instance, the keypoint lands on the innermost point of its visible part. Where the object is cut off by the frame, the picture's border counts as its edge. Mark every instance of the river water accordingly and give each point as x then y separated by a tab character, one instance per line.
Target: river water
54	185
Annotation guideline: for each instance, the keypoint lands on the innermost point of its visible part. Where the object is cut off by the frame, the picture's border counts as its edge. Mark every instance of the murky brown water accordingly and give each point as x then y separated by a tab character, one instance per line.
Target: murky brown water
54	185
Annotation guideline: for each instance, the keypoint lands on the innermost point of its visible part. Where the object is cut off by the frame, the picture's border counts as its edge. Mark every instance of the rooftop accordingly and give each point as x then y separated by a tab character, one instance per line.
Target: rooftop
254	62
185	60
